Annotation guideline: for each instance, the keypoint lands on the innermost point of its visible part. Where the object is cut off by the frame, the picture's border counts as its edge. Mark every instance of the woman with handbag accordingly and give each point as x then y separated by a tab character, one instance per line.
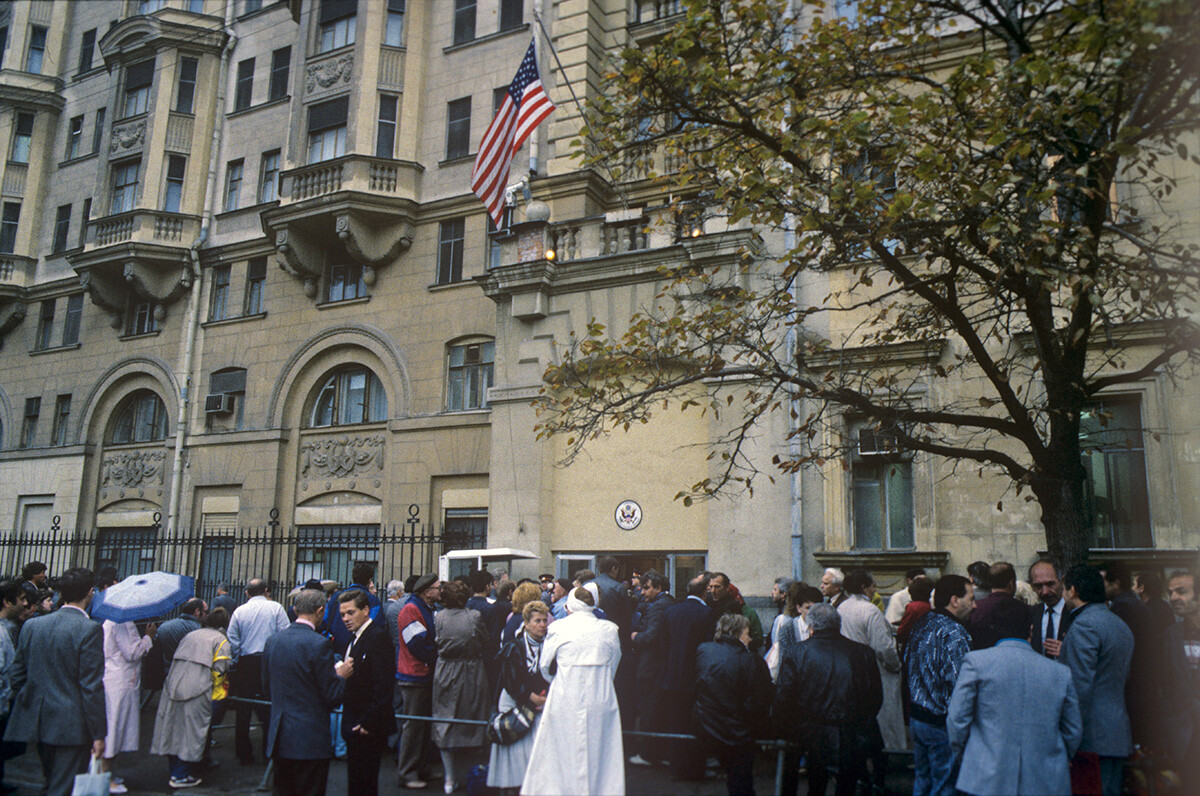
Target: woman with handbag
522	689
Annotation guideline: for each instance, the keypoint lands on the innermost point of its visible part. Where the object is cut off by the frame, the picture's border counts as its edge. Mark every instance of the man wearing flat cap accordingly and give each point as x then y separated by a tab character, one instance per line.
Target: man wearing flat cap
415	659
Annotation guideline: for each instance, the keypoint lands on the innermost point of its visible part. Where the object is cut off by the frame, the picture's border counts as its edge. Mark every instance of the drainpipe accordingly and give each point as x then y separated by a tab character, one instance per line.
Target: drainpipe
794	444
187	359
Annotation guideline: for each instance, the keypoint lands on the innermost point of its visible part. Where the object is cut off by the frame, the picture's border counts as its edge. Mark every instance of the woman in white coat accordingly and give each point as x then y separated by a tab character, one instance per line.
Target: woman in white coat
578	749
123	653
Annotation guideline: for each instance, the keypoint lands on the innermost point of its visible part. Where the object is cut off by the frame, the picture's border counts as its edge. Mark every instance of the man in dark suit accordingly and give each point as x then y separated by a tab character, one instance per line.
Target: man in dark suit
687	625
650	644
1143	697
61	706
367	718
1098	649
303	684
1051	613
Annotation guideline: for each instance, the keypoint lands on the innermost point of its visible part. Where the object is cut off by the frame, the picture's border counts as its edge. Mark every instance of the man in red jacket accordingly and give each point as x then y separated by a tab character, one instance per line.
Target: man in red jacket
415	658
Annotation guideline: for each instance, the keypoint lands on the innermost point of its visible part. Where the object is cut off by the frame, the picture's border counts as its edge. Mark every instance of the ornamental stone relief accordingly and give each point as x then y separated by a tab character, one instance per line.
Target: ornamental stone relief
132	474
341	457
127	136
327	73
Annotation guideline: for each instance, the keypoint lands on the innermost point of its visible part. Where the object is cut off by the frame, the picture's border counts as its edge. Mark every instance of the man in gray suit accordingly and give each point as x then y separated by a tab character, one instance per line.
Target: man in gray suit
61	706
1013	716
1098	649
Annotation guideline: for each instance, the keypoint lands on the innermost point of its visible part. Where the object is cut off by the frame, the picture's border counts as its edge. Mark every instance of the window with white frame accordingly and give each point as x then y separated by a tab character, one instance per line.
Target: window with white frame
881	493
469	375
233	184
142	319
344	281
327	129
22	138
385	128
36	55
124	186
348	396
10	220
464	21
138	79
185	91
74	137
173	195
268	176
394	34
336	24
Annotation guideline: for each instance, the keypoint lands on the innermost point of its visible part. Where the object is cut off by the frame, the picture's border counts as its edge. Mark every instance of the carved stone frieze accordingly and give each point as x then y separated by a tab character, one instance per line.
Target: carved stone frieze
328	73
126	136
342	456
131	469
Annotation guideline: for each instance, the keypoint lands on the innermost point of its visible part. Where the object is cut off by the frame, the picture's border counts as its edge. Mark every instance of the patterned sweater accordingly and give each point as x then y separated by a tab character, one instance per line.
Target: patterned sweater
935	651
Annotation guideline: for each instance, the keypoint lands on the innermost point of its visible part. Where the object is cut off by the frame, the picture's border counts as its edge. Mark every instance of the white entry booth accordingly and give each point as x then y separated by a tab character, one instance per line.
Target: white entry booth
462	562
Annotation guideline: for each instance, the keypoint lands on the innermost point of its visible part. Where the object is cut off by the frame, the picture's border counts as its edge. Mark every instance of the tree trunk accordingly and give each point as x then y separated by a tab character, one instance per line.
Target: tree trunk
1065	516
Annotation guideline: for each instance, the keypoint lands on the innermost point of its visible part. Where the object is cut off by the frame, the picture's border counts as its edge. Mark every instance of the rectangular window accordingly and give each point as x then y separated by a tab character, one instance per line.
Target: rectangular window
141	318
250	6
62	228
37	49
219	299
73	318
1114	456
196	6
245	85
268	177
62	417
176	170
22	138
470	376
3	41
451	237
345	282
185	91
87	49
98	133
394	35
337	24
150	6
385	132
33	407
74	137
9	220
512	14
327	129
464	21
45	327
256	278
881	492
83	222
233	184
138	79
458	128
124	186
281	62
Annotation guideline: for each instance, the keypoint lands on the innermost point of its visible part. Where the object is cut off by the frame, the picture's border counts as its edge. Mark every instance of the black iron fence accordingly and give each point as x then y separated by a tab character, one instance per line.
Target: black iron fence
283	556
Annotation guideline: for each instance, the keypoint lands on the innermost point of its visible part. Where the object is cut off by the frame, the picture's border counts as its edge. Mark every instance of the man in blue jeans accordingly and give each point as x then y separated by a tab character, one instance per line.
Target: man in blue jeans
935	651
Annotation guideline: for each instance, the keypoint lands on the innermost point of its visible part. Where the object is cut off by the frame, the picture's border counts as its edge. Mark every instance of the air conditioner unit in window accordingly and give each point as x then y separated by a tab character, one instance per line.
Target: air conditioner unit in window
218	404
876	443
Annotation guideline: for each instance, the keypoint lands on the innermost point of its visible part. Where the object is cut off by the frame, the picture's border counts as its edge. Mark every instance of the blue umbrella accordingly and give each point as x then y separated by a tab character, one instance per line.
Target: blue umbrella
143	596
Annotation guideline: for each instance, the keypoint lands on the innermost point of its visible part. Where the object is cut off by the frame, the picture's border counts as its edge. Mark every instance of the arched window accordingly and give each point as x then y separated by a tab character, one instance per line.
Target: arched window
350	395
141	417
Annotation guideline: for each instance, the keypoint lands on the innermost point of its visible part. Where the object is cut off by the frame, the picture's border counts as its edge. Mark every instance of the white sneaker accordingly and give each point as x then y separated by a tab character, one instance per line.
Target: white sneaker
117	787
638	760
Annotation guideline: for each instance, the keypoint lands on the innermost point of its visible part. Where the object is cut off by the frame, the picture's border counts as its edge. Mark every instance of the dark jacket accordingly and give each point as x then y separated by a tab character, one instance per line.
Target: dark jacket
1145	671
334	625
369	690
298	678
515	676
617	604
651	641
171	632
688	624
1036	617
824	681
1181	690
979	623
733	692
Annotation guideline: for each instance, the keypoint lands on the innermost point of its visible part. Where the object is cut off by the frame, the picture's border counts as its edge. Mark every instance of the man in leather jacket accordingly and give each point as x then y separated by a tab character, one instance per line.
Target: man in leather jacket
826	700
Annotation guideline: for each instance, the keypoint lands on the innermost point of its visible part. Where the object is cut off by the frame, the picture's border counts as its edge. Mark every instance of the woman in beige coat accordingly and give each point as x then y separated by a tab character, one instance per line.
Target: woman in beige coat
196	679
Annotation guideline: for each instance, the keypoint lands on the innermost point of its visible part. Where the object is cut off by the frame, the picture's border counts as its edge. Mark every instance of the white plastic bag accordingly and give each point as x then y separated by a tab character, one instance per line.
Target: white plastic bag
93	783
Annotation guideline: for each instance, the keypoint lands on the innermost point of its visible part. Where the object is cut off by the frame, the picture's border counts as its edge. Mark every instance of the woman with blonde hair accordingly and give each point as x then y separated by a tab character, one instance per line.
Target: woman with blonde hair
526	592
521	684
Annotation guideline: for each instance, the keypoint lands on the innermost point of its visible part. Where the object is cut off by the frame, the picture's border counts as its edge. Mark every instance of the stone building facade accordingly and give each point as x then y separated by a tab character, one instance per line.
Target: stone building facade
243	278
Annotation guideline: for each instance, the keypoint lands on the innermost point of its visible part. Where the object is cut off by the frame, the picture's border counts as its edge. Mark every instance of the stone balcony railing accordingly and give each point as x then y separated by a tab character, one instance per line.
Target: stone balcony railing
142	226
351	173
17	270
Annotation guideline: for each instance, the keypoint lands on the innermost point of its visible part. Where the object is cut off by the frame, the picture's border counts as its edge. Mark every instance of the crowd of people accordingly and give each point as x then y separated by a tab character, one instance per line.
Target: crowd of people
997	685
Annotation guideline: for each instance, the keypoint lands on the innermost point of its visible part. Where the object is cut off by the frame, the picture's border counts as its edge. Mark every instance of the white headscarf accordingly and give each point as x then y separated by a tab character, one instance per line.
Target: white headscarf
575	605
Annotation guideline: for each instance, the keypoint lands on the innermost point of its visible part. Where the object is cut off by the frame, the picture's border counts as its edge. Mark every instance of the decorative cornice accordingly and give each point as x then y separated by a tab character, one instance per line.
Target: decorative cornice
906	354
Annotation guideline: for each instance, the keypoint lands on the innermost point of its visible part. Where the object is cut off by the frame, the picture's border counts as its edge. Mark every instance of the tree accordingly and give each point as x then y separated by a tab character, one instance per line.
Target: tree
971	178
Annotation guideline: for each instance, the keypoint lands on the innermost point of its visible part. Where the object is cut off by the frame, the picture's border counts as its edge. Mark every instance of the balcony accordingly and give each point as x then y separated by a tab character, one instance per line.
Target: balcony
140	255
355	207
16	274
541	259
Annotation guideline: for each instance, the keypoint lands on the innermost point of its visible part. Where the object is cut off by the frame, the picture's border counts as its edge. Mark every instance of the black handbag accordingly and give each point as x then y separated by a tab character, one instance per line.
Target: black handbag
510	725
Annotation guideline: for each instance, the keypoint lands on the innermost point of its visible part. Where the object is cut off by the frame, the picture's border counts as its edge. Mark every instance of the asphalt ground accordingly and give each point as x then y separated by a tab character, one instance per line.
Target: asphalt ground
147	774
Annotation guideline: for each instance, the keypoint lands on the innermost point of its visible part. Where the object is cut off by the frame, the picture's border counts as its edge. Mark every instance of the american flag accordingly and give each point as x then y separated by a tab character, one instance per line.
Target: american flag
525	106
